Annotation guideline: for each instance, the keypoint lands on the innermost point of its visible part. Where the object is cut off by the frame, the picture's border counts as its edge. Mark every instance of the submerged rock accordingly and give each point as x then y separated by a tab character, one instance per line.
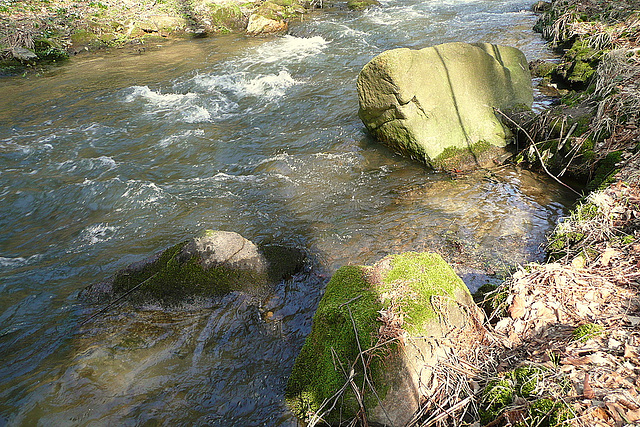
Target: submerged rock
437	103
401	318
211	264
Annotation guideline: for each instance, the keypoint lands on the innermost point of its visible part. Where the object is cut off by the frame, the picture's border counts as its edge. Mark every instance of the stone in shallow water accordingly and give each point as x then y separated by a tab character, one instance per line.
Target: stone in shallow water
211	264
259	25
438	103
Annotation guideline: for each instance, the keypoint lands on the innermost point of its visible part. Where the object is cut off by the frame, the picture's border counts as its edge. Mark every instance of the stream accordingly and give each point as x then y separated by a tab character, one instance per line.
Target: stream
113	156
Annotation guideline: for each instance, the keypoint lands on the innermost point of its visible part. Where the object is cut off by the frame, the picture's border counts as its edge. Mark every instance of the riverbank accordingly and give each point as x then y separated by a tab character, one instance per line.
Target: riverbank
44	31
569	328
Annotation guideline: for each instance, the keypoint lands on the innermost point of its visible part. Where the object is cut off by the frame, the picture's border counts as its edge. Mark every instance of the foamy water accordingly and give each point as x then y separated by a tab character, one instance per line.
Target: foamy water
214	95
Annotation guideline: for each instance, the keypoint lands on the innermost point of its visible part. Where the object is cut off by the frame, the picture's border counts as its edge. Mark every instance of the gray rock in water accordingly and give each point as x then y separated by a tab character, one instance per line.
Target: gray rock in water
216	248
211	264
437	103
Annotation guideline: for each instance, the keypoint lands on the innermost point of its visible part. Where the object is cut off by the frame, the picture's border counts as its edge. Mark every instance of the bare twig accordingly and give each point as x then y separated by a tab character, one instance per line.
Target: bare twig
533	143
120	298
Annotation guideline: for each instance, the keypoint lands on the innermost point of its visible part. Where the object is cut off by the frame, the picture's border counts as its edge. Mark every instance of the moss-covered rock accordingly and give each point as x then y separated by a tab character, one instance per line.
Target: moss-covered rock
397	319
423	102
578	66
542	68
49	50
565	138
84	38
211	264
226	17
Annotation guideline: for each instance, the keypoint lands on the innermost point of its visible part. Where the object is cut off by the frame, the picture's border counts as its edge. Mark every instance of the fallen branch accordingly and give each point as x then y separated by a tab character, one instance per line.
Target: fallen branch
120	298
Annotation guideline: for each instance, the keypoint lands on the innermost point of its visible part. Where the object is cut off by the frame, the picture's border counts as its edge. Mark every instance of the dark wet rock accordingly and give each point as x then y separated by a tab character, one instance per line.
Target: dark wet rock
211	264
283	261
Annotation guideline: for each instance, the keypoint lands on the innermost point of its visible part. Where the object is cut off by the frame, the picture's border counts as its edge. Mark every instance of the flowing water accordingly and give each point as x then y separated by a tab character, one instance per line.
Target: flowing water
113	156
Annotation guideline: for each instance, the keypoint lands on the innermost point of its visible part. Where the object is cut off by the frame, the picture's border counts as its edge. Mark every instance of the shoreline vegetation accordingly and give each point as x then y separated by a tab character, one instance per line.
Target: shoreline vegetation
565	347
41	32
566	332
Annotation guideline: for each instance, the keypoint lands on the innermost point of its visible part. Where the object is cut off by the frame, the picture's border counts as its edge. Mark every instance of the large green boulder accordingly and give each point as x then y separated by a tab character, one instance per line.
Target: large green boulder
435	103
385	329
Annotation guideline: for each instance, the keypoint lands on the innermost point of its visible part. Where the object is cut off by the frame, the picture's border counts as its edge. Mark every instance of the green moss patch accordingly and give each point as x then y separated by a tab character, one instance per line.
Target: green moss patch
325	360
497	395
605	171
533	384
584	332
415	278
478	154
170	279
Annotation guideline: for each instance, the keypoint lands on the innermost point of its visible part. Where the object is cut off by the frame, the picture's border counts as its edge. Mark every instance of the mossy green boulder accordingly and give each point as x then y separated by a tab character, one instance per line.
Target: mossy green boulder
398	319
211	264
432	103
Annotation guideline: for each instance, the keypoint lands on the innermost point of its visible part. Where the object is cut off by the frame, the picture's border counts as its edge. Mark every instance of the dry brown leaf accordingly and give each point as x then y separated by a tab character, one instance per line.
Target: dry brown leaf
600	413
615	410
614	380
602	359
632	416
587	391
515	416
517	311
629	352
629	405
576	361
607	255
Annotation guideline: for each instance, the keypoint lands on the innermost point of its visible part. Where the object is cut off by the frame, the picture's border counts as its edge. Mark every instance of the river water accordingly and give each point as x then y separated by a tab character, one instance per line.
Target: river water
114	156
